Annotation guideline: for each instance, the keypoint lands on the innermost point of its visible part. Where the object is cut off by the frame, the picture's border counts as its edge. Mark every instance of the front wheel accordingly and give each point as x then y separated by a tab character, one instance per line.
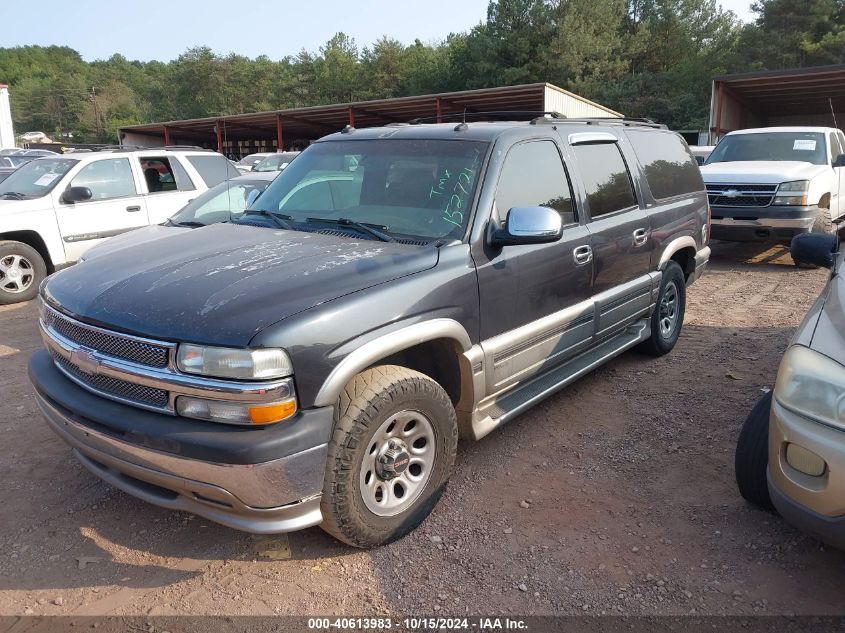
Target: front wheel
668	316
824	223
390	456
21	271
752	455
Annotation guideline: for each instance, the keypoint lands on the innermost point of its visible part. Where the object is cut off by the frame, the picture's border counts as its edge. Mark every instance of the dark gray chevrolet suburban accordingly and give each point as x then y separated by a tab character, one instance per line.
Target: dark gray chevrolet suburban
315	360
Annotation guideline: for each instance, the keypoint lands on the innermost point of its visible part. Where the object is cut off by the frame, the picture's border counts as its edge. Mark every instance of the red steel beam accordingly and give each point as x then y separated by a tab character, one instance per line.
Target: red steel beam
218	127
351	117
167	135
439	110
280	138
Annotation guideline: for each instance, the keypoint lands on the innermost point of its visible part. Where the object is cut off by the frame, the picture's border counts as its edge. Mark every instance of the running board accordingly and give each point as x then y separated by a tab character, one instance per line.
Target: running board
507	406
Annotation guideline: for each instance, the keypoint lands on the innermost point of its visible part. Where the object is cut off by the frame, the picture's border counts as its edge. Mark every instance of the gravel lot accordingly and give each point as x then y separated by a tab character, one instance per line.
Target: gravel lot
615	496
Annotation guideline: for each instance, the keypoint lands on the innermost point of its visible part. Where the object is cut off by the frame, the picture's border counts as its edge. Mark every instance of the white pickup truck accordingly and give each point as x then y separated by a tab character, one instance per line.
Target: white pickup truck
54	209
770	184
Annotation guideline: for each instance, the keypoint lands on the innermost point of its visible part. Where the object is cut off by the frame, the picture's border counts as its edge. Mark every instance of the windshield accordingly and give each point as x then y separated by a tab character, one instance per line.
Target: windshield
250	159
808	147
408	189
36	178
275	163
220	203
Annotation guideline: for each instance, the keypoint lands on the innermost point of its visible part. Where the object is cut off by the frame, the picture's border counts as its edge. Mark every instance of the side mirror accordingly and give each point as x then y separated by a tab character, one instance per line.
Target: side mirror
817	249
76	194
529	225
839	161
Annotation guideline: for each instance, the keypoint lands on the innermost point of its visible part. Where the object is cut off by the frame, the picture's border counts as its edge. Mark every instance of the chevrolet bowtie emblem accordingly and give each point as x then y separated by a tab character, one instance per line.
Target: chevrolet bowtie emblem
85	361
731	193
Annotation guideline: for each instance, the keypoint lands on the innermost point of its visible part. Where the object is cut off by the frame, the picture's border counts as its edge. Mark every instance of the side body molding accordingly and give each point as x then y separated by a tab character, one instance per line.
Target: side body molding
385	345
674	246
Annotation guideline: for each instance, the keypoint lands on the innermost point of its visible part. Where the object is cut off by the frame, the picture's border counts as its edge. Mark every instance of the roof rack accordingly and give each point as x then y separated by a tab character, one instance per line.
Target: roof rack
135	148
500	115
624	121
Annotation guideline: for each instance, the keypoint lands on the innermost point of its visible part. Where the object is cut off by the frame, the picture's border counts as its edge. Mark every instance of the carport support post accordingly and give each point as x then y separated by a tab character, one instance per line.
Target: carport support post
218	128
439	110
280	140
167	135
351	117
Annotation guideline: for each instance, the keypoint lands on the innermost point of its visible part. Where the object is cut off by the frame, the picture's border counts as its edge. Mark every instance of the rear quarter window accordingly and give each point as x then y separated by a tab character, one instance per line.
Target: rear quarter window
669	167
213	168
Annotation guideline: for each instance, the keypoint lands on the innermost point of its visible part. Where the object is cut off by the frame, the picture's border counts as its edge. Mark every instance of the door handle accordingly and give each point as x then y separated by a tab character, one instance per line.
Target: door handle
582	255
640	237
133	208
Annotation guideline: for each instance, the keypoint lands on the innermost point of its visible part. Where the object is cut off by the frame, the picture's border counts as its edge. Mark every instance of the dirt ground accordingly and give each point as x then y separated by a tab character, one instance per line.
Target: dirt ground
628	474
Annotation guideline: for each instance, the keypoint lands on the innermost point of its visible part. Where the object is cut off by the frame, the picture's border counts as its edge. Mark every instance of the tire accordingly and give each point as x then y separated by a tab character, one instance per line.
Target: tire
671	304
22	269
824	223
752	455
378	404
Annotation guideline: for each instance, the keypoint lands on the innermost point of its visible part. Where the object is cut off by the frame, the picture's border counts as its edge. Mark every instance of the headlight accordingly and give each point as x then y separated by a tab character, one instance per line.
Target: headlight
812	385
792	193
241	364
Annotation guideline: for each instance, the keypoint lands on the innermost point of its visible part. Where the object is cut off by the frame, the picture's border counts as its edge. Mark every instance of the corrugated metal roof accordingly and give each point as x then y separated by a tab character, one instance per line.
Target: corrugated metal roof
315	121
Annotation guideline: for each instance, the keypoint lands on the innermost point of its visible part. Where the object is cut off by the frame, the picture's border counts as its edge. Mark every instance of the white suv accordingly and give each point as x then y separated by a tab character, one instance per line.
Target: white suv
54	209
770	184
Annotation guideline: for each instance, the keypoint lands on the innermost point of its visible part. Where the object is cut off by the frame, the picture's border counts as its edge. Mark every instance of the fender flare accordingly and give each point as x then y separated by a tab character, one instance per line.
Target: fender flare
383	346
679	243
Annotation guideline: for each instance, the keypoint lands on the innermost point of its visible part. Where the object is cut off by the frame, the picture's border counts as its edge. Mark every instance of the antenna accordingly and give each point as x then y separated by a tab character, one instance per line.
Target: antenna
832	113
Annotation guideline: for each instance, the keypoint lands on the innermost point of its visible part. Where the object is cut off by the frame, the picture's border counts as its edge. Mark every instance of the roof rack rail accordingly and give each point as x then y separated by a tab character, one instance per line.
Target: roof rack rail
136	148
500	115
625	121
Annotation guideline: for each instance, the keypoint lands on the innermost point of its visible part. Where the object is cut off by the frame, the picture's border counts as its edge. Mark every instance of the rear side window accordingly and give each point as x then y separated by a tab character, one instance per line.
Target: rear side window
533	176
213	168
669	167
606	179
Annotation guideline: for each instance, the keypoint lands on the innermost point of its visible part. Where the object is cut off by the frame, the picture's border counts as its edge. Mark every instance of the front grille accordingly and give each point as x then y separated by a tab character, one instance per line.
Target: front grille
745	196
110	344
115	387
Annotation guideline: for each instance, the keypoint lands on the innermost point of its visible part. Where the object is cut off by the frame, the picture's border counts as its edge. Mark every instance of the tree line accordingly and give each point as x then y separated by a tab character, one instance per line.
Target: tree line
646	58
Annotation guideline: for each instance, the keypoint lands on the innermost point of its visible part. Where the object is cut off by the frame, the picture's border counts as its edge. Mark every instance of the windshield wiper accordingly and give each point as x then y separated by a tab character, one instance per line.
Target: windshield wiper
189	223
360	226
15	195
279	219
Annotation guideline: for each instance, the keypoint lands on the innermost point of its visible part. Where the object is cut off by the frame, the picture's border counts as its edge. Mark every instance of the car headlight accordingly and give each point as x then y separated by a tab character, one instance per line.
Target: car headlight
792	193
240	364
812	385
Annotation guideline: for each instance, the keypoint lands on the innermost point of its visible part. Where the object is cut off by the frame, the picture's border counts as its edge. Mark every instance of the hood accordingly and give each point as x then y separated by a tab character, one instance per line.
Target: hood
829	334
131	238
25	206
760	172
222	284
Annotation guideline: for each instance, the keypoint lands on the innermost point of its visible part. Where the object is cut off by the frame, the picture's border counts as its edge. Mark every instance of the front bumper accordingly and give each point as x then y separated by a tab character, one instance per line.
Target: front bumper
761	224
246	479
813	504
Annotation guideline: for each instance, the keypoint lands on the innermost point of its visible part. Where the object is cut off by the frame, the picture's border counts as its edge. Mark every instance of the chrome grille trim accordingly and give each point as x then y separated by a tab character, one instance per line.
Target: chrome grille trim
750	195
131	348
130	393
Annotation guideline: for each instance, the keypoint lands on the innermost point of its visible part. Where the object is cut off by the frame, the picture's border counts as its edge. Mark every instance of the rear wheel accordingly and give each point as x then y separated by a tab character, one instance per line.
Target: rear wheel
668	316
390	456
21	271
752	455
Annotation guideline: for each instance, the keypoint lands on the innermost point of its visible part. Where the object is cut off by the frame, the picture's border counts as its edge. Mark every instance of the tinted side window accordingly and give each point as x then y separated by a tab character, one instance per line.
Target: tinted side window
213	168
670	169
533	176
107	179
606	178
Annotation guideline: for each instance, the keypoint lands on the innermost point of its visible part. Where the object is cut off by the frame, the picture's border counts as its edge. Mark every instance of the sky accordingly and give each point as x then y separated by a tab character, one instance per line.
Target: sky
148	30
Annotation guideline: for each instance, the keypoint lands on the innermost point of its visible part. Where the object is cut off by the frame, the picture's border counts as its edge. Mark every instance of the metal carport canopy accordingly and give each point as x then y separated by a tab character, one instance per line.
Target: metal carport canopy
316	121
788	92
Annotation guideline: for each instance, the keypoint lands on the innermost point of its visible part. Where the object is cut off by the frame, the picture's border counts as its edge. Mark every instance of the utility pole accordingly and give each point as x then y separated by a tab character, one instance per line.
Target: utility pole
98	123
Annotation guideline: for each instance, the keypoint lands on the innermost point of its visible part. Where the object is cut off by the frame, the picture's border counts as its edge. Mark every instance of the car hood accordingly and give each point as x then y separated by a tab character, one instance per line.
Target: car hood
760	172
222	284
25	206
829	335
138	236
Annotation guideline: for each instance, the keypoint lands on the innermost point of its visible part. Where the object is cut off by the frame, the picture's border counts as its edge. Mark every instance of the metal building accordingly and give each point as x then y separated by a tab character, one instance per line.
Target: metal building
294	128
798	96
